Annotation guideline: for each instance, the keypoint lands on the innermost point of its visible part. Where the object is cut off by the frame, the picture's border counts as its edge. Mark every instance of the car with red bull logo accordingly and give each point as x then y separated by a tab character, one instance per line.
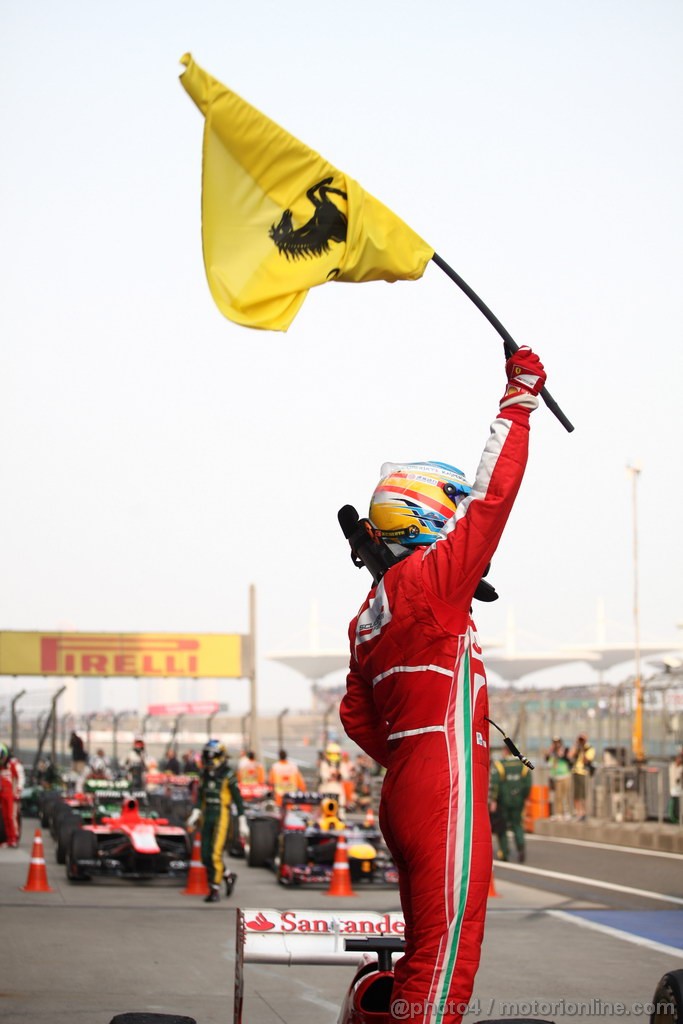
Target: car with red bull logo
298	841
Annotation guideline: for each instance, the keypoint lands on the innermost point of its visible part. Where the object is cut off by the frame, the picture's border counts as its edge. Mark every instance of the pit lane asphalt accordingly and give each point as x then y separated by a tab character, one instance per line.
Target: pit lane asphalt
83	953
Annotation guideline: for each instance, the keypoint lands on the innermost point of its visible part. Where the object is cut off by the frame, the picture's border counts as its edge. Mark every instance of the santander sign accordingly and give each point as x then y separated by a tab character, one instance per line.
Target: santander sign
309	922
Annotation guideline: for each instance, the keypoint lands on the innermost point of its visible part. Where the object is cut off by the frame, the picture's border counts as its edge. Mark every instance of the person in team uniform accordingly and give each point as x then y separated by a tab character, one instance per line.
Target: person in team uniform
218	791
11	784
250	771
284	777
416	696
510	788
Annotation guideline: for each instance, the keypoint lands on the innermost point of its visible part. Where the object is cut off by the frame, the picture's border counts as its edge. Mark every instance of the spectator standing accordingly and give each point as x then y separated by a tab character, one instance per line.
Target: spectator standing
363	780
675	788
347	772
582	756
190	762
79	760
284	777
560	779
171	763
136	764
99	765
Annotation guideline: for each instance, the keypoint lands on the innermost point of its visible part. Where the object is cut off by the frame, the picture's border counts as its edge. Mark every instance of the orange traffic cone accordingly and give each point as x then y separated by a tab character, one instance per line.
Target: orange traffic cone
197	881
492	886
37	872
369	819
340	882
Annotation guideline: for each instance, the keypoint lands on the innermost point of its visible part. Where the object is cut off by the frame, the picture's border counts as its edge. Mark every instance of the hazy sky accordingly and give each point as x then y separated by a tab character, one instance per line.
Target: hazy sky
158	459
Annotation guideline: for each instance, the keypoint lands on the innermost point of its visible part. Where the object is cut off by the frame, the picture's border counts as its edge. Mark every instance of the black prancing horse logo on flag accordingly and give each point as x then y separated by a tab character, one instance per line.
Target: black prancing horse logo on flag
328	224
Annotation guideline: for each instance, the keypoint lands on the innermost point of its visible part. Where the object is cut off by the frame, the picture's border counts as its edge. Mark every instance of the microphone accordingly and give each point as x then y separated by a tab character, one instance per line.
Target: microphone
348	520
367	547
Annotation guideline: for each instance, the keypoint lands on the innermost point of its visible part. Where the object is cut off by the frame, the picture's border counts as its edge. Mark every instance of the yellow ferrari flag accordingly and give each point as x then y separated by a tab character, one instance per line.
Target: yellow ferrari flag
277	218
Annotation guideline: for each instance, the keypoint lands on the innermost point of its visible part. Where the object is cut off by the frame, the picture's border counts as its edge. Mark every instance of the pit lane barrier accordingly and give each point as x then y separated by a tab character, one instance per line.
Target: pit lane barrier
314	937
36	880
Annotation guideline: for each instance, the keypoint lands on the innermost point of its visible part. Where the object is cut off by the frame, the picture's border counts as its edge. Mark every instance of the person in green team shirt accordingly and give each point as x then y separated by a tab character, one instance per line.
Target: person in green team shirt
510	788
560	779
218	790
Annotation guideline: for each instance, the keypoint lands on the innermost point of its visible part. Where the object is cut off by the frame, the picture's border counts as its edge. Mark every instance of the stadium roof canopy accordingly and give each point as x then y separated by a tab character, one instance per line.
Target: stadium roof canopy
314	665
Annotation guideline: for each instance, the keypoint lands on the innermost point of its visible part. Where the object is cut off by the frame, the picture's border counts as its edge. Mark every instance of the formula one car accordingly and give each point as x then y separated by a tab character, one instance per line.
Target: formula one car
128	845
100	798
370	941
367	942
300	840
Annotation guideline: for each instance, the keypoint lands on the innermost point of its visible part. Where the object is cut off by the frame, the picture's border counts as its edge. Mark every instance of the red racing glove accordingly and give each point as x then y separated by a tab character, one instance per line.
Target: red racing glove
526	377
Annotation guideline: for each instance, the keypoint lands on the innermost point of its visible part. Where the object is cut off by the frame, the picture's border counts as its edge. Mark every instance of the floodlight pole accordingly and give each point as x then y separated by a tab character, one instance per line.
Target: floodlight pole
254	737
116	718
89	719
637	747
14	726
245	738
209	722
280	730
53	723
326	729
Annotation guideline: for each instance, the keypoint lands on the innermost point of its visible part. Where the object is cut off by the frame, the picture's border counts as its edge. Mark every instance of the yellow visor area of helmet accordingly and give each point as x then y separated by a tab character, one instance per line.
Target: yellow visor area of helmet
414	500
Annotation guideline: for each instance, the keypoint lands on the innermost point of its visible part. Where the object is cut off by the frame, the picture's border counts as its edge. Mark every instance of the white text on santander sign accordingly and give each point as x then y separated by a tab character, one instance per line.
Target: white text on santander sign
291	922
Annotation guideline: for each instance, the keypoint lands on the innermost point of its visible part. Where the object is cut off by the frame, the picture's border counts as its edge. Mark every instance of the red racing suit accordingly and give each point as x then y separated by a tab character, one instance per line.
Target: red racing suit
416	701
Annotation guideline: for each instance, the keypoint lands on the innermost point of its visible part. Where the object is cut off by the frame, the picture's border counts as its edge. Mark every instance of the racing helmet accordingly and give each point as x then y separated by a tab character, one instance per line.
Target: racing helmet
414	500
333	753
4	754
138	743
214	754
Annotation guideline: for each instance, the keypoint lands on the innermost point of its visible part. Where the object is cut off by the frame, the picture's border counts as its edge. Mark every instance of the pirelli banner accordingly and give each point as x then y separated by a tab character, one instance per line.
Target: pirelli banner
144	655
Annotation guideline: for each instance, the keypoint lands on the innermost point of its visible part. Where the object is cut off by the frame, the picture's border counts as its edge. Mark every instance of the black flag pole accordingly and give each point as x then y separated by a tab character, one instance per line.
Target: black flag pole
509	343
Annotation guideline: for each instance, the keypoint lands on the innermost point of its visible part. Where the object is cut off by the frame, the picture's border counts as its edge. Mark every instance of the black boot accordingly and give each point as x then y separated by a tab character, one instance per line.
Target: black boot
229	878
214	895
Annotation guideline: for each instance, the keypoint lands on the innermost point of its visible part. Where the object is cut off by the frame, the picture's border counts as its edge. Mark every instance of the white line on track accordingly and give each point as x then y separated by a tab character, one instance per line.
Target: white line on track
595	883
605	846
617	933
